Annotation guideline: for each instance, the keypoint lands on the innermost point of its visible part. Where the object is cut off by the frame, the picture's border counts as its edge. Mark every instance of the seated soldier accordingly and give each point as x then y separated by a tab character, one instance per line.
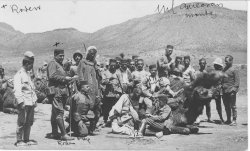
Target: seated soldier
81	116
123	115
157	124
148	86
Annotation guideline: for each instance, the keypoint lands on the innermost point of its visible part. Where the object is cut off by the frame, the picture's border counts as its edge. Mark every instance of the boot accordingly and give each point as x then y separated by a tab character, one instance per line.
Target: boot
19	134
26	135
61	126
54	134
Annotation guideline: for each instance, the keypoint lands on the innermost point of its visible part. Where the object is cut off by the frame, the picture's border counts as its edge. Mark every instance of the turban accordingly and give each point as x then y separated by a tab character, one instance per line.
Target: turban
58	51
91	49
163	81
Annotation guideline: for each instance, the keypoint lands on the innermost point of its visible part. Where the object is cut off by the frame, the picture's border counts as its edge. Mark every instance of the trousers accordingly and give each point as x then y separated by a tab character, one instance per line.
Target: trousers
229	102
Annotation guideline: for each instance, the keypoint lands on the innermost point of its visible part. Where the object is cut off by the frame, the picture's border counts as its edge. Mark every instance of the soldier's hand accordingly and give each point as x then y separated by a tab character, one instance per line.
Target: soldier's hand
68	78
21	105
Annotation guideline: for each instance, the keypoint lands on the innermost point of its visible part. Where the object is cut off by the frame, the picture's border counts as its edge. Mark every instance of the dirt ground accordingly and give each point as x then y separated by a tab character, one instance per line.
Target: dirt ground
211	136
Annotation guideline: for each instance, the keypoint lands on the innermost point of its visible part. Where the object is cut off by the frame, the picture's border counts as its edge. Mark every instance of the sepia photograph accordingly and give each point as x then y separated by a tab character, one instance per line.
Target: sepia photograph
124	75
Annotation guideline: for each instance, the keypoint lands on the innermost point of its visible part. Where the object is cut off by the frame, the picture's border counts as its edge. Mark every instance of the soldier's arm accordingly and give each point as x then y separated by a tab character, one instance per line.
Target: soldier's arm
145	90
165	113
18	88
81	70
237	80
52	73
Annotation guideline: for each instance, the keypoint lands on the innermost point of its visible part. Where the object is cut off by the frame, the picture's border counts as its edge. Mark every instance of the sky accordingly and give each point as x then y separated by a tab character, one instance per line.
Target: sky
85	15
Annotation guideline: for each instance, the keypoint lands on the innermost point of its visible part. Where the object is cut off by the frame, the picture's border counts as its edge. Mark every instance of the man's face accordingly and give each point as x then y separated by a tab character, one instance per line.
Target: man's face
153	72
77	58
178	61
85	89
202	64
228	62
124	66
59	58
138	93
112	66
91	56
1	71
132	65
168	51
186	62
140	65
29	66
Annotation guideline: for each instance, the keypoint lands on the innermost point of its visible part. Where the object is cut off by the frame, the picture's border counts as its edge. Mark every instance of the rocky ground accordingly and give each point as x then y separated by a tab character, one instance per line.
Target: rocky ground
211	136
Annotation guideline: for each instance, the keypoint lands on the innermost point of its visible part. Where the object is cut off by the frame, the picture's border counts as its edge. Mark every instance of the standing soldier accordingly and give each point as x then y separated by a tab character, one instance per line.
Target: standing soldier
112	89
24	91
86	71
188	72
164	63
58	94
230	85
30	55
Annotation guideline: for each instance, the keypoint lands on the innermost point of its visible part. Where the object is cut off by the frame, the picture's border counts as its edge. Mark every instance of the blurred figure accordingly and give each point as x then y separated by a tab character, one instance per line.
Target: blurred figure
42	71
176	67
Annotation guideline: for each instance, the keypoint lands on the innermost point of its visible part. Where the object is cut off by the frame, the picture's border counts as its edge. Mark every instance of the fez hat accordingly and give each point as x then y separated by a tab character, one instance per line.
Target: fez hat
58	51
152	66
170	47
78	52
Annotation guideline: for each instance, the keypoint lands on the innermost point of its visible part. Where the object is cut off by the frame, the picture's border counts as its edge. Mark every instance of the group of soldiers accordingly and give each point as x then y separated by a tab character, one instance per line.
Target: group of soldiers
124	92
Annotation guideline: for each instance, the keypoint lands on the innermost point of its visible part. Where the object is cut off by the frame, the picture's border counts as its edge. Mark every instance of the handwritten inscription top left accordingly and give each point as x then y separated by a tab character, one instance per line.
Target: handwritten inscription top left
14	8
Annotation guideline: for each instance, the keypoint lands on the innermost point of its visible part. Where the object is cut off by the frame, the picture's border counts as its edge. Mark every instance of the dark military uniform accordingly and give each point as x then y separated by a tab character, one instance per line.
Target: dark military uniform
57	81
80	114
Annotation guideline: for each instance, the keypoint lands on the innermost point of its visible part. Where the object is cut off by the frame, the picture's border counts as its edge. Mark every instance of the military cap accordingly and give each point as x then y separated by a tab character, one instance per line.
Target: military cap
186	57
58	51
112	60
170	47
28	54
178	57
218	61
152	66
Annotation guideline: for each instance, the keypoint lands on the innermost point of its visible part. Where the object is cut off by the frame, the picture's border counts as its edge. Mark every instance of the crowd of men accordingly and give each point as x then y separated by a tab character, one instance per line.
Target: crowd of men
124	92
